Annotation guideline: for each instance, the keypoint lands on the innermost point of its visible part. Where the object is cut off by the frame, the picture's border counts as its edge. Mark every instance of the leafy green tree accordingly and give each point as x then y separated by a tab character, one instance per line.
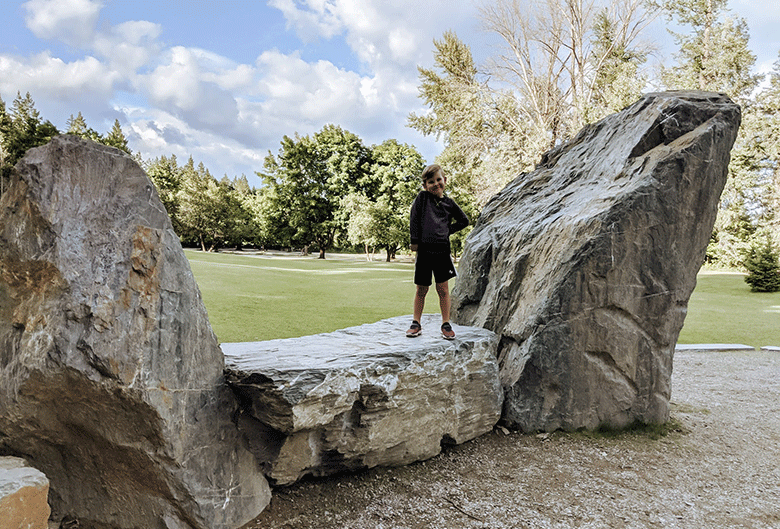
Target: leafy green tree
242	207
763	268
309	177
466	115
20	130
618	78
395	170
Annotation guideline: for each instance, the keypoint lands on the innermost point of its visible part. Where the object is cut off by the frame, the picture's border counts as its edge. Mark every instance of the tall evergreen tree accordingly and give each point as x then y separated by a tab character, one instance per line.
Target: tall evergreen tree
21	129
116	138
768	109
78	127
715	56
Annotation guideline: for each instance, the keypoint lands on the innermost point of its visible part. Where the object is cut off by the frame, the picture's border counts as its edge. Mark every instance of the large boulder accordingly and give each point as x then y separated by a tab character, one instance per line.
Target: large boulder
584	266
364	396
112	379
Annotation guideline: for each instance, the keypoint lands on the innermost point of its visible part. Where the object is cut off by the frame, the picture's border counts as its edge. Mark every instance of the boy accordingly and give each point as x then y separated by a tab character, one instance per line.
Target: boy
434	217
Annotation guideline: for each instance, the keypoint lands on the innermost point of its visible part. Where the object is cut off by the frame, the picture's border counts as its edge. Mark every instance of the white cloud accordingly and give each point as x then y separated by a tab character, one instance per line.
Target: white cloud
129	46
71	21
43	74
192	101
319	20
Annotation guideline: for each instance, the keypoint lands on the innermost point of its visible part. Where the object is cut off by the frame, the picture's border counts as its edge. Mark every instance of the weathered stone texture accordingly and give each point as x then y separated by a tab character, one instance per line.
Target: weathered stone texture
23	495
584	266
112	379
364	396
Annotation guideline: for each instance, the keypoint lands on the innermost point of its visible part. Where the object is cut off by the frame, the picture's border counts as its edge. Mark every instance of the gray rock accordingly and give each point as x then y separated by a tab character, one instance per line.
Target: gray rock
112	379
364	396
23	495
584	266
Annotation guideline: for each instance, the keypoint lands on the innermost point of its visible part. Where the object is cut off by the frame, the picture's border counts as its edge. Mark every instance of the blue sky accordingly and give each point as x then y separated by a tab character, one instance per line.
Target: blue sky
223	81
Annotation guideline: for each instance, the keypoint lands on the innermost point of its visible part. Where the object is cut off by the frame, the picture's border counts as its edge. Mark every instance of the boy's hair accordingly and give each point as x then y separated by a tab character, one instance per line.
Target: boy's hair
430	171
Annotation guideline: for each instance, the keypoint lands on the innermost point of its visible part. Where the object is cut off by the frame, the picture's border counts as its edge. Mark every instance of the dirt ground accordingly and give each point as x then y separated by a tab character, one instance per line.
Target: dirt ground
716	465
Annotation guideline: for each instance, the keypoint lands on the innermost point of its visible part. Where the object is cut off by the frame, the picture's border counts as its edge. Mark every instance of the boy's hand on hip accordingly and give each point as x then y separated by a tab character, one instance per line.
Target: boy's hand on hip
413	247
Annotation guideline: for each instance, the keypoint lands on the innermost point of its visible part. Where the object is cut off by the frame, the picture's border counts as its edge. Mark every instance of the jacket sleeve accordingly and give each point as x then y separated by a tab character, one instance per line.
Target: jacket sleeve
459	219
415	220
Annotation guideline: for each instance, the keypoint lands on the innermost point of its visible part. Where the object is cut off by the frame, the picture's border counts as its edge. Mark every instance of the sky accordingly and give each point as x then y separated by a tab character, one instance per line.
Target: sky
224	80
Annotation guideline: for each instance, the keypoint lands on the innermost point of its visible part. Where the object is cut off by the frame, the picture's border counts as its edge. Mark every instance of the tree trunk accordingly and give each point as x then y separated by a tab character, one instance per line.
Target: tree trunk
202	242
322	253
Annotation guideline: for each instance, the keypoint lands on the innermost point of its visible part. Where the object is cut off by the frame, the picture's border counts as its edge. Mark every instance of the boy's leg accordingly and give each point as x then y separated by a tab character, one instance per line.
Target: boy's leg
443	290
419	301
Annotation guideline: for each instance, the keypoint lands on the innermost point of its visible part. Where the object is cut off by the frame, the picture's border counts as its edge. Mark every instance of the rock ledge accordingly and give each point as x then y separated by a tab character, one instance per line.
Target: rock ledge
364	396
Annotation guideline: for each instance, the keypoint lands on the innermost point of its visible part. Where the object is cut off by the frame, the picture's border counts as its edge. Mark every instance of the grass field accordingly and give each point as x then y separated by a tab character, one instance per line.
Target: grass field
723	310
259	298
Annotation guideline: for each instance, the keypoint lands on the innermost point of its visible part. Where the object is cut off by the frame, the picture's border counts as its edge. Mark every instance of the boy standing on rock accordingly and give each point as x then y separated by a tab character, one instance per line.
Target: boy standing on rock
434	217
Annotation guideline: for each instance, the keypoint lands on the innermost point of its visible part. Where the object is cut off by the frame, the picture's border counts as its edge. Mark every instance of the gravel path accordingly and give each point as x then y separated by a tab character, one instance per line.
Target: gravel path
717	465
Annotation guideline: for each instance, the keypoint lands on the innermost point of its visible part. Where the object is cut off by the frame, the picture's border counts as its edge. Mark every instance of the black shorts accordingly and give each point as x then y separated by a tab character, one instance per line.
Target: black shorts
439	264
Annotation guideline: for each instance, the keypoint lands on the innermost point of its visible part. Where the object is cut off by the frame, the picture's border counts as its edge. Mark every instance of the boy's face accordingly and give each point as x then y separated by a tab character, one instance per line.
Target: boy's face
436	184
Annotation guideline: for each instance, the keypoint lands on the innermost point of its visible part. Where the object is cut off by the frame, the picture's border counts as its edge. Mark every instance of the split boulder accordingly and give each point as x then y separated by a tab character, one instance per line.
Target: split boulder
112	379
584	267
364	396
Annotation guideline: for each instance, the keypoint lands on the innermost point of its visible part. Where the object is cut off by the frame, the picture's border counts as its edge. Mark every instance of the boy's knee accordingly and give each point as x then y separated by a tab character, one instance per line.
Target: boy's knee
422	290
443	289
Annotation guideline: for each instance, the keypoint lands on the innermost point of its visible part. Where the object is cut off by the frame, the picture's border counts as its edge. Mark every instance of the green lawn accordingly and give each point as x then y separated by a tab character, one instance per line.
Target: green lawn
723	310
260	298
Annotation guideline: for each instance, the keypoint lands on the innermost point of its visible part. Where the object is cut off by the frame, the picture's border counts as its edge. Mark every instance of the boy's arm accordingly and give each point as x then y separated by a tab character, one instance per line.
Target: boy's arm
415	218
459	219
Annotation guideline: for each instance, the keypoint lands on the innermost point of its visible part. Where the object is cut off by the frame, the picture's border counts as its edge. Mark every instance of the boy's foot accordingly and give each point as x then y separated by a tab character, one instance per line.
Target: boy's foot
446	331
414	330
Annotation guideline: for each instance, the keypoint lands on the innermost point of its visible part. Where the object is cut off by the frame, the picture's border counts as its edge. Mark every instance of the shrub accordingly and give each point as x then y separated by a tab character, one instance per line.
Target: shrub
763	268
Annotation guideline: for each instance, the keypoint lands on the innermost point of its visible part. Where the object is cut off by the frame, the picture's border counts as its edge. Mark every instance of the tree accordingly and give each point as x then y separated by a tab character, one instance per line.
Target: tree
466	115
563	64
715	56
78	127
116	138
167	178
395	170
768	109
20	130
763	268
202	207
309	177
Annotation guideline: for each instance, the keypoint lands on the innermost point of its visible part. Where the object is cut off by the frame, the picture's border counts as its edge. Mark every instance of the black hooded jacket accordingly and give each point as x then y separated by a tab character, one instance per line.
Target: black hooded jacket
433	220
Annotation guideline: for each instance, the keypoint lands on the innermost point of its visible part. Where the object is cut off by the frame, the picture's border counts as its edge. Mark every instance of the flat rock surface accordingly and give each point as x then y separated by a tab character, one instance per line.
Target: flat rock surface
364	396
717	469
350	348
